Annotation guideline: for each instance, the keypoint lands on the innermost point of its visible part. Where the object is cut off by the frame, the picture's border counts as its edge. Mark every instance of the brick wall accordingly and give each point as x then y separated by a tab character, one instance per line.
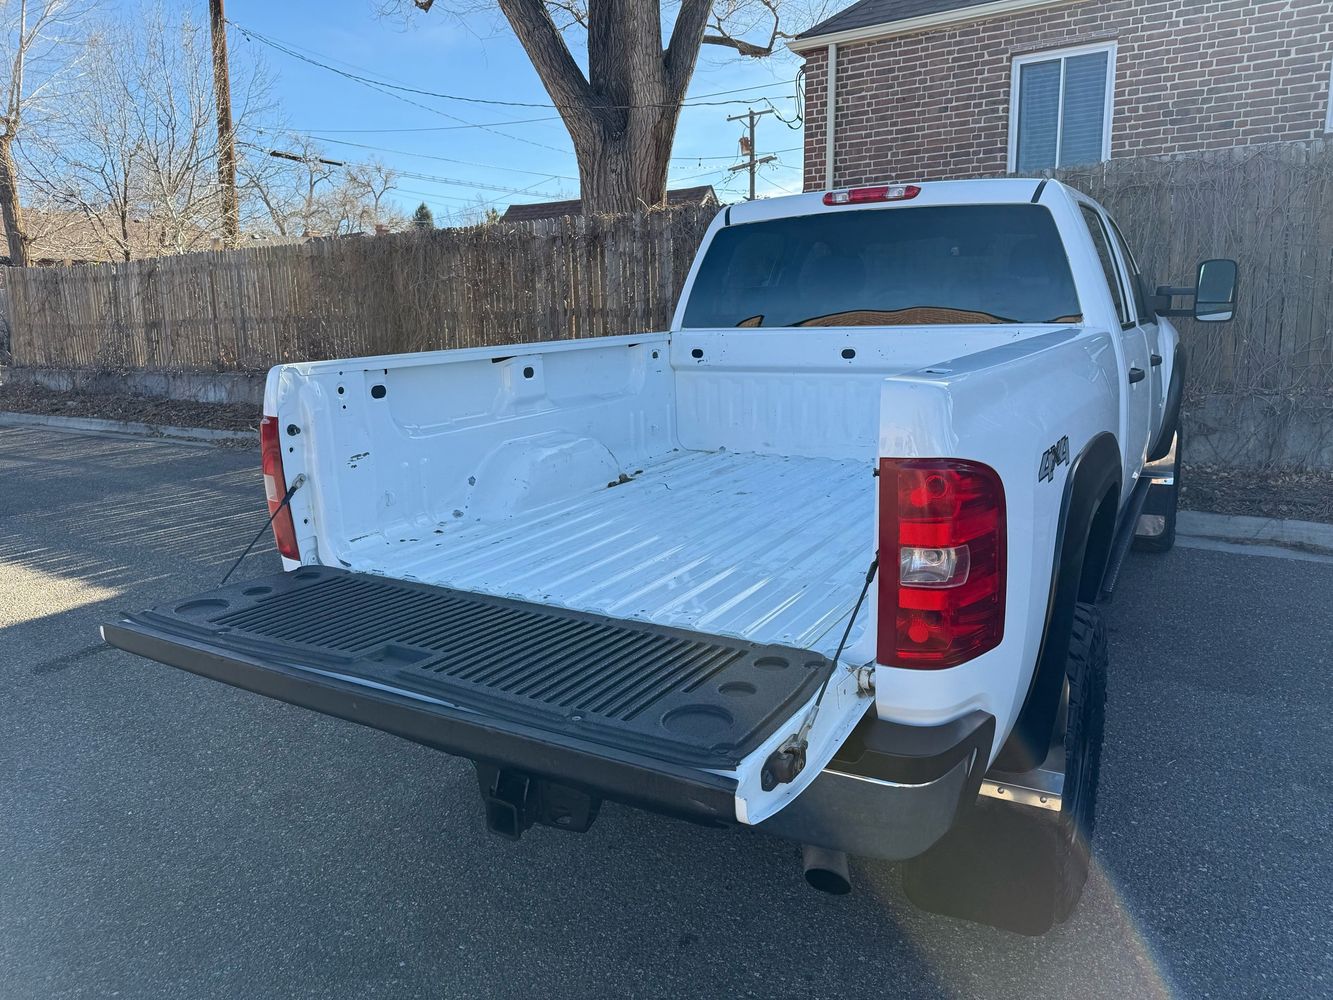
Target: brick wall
1189	75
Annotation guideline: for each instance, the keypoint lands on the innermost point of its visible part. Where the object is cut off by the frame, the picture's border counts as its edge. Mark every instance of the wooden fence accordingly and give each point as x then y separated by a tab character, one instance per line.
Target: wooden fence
246	310
1271	207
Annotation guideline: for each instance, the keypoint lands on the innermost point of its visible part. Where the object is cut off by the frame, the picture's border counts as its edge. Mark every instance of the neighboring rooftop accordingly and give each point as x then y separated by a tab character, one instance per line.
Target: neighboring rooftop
872	12
676	198
68	236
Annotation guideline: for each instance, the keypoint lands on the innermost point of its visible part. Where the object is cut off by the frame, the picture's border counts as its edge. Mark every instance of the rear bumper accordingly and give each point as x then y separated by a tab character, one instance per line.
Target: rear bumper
893	790
404	657
651	784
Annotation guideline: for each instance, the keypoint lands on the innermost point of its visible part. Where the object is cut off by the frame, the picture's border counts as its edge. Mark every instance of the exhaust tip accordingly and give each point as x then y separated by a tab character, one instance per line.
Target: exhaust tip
826	870
827	881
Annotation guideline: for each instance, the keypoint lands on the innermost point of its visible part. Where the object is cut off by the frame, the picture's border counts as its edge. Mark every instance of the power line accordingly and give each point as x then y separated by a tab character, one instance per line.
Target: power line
464	123
471	202
324	133
419	91
691	159
442	159
481	185
493	166
433	178
440	128
694	177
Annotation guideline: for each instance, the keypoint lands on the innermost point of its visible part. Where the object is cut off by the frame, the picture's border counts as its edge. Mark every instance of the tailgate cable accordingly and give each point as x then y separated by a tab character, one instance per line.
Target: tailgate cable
286	499
788	760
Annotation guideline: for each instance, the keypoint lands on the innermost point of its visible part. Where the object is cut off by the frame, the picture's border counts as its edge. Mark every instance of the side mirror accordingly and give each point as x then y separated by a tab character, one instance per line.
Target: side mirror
1215	291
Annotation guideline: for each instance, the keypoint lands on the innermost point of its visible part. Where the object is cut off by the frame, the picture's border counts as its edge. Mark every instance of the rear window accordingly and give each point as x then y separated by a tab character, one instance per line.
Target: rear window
887	267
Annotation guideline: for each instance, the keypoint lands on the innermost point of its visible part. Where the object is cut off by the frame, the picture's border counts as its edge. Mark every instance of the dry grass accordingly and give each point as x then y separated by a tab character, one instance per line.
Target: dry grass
20	398
1301	496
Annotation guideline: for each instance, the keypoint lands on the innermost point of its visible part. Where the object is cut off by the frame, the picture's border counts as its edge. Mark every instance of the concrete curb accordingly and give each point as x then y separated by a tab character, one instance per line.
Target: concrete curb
1239	528
93	425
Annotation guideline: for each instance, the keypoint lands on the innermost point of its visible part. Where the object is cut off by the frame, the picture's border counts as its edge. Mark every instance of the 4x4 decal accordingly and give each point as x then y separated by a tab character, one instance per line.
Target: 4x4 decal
1056	454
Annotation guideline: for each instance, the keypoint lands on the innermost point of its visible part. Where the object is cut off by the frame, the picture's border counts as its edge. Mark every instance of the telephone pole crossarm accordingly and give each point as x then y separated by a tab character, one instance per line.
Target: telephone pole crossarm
753	163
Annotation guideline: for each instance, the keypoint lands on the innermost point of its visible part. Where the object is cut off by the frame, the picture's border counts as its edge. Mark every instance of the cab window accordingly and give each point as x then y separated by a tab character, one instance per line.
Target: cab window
1137	283
1110	269
949	264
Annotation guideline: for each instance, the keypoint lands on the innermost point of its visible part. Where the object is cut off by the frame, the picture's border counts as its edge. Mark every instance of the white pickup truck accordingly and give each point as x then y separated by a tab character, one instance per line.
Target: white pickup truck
823	558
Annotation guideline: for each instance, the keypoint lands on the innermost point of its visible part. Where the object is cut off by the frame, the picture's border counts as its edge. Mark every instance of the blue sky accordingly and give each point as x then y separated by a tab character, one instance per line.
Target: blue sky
482	59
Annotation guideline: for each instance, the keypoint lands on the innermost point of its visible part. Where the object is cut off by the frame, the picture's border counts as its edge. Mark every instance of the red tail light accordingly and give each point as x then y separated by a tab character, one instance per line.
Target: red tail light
866	195
275	486
942	562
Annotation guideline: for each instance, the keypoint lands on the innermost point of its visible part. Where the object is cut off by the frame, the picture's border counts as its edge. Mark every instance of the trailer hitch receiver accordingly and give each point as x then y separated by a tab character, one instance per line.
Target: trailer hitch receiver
514	801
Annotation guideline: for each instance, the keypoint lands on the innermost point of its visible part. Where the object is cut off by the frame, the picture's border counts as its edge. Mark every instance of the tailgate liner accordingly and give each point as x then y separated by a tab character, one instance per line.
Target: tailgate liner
616	689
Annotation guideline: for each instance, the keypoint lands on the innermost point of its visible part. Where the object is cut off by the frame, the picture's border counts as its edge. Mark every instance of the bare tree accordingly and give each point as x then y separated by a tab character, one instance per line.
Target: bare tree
292	178
136	153
305	193
373	181
38	45
480	211
622	113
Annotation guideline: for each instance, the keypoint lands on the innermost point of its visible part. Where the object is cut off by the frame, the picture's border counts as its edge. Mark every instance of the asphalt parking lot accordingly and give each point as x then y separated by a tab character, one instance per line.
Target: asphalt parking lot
165	836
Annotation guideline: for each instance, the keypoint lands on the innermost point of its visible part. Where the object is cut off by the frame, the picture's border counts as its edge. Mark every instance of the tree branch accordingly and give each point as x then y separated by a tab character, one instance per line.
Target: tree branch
721	36
559	73
683	50
740	45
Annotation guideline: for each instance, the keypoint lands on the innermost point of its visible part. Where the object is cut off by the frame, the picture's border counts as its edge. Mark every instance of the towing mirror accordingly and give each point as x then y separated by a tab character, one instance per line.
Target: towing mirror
1215	291
1214	294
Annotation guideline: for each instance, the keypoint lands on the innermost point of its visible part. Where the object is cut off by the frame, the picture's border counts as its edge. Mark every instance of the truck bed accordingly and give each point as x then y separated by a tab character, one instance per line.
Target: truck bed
759	547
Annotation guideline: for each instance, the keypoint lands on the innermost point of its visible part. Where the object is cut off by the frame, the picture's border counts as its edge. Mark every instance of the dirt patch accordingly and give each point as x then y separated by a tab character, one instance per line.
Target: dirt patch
26	398
1300	496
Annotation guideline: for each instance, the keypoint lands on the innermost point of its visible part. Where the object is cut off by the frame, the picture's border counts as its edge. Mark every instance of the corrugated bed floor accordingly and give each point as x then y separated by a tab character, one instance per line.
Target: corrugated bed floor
767	548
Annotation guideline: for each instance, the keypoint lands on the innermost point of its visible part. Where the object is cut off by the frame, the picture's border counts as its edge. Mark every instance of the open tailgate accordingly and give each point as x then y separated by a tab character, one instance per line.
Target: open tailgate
663	718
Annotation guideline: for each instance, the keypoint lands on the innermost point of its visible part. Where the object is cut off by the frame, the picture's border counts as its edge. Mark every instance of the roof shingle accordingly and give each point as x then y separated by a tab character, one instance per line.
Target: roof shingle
676	198
870	12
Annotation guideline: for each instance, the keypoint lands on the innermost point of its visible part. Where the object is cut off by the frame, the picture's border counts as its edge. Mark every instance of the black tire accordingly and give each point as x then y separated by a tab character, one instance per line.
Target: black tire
1015	867
1167	539
1085	724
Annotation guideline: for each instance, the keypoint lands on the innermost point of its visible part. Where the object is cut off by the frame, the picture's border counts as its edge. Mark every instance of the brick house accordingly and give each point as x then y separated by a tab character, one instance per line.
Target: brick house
958	88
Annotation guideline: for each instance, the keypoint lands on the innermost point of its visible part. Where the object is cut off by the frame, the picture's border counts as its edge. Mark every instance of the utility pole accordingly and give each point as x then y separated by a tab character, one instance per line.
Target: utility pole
231	216
752	164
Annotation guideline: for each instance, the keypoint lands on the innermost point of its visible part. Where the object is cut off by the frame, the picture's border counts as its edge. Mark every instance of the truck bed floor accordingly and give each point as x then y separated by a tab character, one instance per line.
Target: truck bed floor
767	548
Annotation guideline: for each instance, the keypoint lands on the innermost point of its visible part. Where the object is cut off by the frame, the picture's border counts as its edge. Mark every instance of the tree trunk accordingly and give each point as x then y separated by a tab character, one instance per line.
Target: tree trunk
625	171
622	116
10	209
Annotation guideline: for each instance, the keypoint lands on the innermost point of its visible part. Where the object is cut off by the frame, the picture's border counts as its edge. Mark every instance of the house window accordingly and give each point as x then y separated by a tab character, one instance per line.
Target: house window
1060	108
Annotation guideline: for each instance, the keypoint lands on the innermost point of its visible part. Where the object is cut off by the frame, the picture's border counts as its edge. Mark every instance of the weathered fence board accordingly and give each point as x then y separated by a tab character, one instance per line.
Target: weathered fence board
246	310
1271	207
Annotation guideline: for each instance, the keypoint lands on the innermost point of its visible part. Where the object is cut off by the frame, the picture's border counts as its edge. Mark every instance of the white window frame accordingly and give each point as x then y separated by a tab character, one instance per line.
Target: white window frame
1328	115
1015	76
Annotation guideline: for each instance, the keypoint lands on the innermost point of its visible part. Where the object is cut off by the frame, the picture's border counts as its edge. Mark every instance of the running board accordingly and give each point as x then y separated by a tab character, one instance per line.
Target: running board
1124	536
